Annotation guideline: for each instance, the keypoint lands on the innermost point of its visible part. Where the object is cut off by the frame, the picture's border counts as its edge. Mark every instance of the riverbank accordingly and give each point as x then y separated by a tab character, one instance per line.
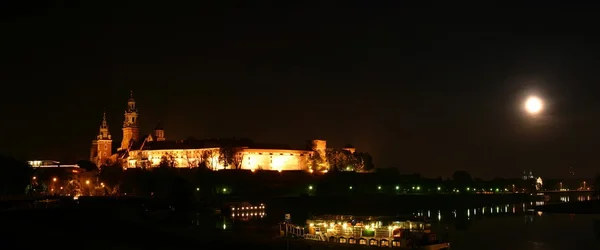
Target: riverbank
386	204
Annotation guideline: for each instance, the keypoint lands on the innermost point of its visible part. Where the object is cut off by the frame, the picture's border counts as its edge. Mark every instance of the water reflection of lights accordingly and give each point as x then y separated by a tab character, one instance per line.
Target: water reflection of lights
247	212
584	198
260	207
469	213
261	214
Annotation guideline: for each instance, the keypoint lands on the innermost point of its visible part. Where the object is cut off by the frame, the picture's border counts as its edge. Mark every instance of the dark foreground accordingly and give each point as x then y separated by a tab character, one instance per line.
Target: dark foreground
105	226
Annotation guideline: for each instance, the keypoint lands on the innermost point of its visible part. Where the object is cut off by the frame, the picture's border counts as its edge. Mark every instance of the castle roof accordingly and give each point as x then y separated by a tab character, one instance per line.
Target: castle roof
159	126
192	143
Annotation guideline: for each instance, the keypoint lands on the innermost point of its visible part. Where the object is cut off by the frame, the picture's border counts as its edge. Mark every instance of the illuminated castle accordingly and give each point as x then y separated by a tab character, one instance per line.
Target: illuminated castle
154	150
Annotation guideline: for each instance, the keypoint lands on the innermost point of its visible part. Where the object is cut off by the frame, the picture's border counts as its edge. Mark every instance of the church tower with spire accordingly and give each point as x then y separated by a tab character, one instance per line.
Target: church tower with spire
102	145
131	131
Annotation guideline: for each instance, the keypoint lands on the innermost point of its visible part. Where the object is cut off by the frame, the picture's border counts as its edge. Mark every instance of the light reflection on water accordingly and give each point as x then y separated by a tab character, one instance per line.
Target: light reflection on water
541	231
507	226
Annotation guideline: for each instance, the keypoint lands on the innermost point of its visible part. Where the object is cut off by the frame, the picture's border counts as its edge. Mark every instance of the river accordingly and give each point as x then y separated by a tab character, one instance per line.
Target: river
502	227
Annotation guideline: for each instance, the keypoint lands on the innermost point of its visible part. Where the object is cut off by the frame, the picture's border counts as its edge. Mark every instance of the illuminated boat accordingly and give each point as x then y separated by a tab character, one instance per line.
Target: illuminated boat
368	231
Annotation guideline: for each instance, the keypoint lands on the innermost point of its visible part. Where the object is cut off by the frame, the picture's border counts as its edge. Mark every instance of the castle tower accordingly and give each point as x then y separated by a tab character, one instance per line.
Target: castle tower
319	145
159	133
131	131
102	146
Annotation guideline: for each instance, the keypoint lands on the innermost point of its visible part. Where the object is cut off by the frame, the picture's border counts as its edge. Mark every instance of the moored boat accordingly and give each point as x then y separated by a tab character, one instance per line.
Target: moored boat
367	231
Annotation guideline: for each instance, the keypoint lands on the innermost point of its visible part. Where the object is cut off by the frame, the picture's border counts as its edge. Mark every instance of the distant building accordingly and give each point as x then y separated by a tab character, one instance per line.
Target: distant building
528	176
539	183
151	150
50	164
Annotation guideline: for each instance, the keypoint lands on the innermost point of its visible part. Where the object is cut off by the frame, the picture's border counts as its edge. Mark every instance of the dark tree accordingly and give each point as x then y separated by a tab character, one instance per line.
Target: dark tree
366	160
87	165
15	176
206	158
167	161
112	175
317	161
344	160
462	178
230	156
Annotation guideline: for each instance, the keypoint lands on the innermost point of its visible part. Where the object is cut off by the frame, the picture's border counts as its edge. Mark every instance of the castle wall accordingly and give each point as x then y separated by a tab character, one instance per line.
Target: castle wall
273	159
252	159
182	158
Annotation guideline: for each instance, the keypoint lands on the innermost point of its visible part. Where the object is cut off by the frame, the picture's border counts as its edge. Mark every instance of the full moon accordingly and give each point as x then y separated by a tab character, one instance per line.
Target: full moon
533	105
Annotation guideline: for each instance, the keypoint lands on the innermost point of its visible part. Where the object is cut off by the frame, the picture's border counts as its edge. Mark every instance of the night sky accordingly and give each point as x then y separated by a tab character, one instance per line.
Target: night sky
424	90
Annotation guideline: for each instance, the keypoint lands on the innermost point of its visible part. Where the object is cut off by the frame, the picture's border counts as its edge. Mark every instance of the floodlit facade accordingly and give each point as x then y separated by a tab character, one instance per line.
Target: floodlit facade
250	158
154	150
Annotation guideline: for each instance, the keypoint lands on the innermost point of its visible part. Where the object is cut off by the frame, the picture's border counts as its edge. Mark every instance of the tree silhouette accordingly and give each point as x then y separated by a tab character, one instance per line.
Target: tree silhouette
462	178
317	161
111	175
15	176
231	157
87	165
167	161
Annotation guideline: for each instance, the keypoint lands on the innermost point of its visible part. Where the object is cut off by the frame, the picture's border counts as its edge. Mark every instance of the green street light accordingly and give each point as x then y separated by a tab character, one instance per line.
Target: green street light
418	188
379	187
350	187
439	188
397	187
310	187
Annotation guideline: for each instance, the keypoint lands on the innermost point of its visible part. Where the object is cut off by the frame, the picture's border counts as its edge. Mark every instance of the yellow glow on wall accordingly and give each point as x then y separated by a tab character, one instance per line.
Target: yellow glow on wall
278	162
253	159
